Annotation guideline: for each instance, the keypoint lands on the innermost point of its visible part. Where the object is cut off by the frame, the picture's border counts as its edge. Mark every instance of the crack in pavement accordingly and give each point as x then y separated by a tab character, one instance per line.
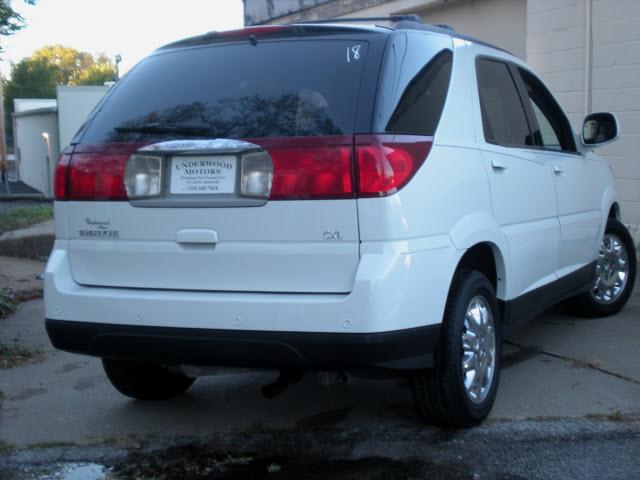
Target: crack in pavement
574	361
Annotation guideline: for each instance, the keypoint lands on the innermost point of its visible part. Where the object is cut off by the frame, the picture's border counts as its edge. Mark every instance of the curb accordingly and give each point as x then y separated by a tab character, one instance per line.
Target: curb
35	247
22	196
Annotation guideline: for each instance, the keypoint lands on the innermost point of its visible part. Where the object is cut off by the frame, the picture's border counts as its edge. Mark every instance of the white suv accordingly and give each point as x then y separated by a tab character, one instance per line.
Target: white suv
320	197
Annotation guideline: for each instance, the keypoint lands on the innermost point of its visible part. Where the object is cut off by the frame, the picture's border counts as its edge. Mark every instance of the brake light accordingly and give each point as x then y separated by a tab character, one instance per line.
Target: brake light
323	167
307	168
386	163
60	177
245	32
93	172
304	168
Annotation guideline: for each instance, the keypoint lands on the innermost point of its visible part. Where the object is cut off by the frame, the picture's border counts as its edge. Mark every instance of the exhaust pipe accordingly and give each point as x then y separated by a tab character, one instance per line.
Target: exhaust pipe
285	378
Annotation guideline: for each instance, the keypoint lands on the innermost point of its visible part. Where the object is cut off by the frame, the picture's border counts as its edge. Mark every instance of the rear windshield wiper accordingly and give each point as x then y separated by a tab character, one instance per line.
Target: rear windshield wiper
175	128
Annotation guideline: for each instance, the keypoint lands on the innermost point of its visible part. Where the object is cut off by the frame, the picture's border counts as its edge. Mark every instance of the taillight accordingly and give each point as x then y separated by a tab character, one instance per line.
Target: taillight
60	177
93	172
386	163
95	176
306	168
300	168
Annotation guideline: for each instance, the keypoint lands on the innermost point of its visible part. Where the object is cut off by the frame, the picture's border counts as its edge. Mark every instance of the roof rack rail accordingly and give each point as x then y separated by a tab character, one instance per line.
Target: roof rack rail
444	26
412	17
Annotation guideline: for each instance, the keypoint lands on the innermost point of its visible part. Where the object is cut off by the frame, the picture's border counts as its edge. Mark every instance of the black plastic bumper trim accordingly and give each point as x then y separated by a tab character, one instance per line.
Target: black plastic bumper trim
401	349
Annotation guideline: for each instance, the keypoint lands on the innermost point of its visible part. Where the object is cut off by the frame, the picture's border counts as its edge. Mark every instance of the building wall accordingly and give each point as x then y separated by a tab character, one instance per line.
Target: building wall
257	12
260	11
556	51
588	53
615	81
477	18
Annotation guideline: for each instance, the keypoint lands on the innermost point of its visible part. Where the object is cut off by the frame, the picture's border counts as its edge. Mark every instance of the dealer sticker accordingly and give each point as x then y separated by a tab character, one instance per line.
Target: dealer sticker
203	175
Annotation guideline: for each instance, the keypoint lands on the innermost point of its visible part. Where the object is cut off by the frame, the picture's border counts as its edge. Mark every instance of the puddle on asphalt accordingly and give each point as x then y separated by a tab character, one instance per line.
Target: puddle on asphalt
60	471
175	466
81	471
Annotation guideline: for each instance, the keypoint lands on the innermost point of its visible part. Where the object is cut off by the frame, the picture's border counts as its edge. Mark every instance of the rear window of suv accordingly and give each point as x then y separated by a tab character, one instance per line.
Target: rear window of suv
273	89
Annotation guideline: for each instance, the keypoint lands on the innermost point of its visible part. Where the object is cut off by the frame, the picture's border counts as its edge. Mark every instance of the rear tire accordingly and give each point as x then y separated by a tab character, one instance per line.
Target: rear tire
616	263
145	381
445	395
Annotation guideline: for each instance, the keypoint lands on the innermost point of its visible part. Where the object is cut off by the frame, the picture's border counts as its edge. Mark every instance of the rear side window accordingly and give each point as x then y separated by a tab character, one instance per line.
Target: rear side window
503	116
272	89
414	84
420	106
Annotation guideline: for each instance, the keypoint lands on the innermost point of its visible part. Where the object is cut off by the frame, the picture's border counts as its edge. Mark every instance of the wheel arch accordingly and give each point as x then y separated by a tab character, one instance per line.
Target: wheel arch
614	211
486	258
610	209
483	247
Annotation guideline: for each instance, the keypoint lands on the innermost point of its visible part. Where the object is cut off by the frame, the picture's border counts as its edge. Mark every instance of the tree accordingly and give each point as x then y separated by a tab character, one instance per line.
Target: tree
32	78
69	62
10	20
37	76
96	74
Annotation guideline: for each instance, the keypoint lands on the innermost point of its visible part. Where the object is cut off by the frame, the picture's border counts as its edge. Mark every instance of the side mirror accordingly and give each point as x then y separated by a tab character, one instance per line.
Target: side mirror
599	129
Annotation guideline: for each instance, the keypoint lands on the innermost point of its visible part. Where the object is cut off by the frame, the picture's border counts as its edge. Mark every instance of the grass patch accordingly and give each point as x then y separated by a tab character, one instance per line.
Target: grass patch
12	355
615	416
7	305
5	447
25	216
53	444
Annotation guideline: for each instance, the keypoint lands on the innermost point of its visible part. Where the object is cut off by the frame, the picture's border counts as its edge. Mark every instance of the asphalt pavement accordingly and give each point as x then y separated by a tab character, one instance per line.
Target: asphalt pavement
568	407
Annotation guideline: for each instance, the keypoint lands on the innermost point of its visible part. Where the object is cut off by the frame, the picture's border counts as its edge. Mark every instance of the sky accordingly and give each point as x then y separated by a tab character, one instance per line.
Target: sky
131	28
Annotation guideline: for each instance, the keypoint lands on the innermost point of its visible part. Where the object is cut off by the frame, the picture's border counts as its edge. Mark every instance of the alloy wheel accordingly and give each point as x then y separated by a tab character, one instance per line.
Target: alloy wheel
478	349
612	270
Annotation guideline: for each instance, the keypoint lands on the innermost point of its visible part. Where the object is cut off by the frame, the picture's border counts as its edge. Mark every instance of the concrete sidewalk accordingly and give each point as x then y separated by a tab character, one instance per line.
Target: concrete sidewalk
560	366
33	242
21	276
35	230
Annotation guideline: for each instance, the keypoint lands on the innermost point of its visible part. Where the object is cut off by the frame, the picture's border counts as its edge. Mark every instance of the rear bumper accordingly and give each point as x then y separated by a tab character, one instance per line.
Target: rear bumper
393	290
390	319
403	349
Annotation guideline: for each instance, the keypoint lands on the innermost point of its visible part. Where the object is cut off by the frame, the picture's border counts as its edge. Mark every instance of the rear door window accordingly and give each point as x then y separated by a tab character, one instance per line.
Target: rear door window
273	89
554	131
503	115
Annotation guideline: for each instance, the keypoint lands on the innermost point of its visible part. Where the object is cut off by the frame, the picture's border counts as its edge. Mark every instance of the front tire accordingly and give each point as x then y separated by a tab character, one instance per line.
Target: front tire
145	381
615	275
461	389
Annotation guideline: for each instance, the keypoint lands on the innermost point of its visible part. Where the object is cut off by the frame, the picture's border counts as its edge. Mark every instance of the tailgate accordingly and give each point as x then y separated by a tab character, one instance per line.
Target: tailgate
198	211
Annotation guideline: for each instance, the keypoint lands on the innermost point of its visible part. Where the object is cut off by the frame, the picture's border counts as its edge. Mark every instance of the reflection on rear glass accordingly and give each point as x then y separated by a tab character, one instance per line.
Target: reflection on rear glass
274	89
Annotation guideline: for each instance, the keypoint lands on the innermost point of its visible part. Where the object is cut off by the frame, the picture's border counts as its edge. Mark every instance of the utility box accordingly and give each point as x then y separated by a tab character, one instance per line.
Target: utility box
75	103
44	127
37	149
24	104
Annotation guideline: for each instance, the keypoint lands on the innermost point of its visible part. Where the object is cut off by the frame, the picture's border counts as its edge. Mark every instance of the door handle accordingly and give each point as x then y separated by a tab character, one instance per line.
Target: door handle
498	164
197	235
557	169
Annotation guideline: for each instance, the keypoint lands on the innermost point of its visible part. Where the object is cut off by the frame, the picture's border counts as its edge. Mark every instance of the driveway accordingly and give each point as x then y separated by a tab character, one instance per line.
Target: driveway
569	385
